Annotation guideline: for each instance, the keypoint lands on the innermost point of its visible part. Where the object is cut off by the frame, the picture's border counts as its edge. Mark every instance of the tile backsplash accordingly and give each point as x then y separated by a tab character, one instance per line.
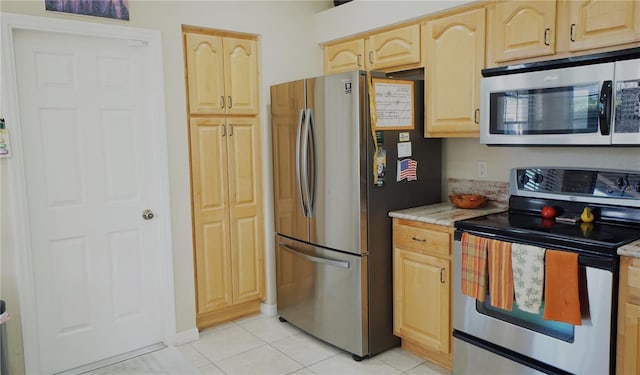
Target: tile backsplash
496	191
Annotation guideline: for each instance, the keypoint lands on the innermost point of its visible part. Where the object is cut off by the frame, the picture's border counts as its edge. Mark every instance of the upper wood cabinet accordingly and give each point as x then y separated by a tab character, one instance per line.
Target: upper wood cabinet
394	48
600	23
454	57
222	73
521	29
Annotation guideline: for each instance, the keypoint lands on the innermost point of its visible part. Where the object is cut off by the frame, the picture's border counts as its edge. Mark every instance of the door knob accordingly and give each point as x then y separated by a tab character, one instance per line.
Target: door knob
147	214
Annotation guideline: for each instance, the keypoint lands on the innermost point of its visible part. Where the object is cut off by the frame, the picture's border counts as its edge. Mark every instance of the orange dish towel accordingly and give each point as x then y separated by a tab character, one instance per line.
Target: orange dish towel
474	266
562	300
500	274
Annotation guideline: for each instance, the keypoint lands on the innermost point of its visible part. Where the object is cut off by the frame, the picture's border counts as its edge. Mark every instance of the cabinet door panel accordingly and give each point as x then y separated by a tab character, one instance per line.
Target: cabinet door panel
205	74
521	29
454	57
245	196
393	48
344	57
241	76
210	213
601	23
421	299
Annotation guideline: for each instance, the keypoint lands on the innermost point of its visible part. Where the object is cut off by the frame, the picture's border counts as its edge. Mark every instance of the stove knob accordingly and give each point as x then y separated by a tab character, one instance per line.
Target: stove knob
638	186
622	182
523	179
537	178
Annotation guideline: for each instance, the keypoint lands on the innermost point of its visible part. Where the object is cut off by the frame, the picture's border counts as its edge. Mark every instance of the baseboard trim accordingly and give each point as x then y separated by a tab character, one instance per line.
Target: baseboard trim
268	309
184	337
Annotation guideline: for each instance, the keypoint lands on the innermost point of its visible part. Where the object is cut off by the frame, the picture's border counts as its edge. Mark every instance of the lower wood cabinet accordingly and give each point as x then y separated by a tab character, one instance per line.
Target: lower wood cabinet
628	347
422	289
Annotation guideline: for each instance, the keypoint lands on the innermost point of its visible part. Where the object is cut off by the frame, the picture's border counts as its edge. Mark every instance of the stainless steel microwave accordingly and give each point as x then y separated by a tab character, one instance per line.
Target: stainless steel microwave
592	100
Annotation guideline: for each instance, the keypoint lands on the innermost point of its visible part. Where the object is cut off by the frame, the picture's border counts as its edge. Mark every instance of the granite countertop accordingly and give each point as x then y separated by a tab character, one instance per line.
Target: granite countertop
632	249
446	214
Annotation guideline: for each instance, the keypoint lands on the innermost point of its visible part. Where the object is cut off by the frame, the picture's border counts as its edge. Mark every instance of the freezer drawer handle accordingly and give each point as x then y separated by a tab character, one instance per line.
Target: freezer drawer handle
336	263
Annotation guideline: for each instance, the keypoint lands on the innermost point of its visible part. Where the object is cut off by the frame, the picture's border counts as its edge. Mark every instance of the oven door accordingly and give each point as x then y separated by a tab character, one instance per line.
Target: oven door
565	106
529	342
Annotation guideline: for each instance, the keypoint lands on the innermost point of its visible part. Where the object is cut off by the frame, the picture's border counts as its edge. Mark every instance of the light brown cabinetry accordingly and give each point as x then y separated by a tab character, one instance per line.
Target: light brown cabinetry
392	49
226	179
222	74
600	23
454	57
628	349
422	289
521	30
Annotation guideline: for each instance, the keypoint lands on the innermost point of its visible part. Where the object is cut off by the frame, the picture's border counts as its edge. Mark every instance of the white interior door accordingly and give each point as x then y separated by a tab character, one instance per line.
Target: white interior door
90	173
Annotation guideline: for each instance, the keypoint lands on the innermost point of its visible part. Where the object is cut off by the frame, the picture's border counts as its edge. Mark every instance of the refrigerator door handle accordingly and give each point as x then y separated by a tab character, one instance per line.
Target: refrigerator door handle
313	183
330	262
299	166
304	168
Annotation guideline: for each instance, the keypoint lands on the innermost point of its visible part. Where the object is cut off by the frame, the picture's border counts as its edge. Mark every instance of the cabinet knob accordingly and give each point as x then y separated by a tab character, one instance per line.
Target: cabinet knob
230	102
222	102
371	57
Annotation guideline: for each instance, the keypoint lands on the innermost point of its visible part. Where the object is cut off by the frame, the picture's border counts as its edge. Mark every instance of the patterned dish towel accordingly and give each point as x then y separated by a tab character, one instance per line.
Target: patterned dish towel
528	276
500	274
562	297
474	266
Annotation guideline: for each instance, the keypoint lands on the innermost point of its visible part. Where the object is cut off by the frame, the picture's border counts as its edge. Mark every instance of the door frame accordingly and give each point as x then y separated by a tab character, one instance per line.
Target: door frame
9	23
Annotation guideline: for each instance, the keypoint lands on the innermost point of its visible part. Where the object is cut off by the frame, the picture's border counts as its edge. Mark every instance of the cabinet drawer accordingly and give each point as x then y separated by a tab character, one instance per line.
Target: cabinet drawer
421	239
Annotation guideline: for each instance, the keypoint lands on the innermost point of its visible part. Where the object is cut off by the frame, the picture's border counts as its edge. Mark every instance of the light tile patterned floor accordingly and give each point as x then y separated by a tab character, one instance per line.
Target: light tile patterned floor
262	345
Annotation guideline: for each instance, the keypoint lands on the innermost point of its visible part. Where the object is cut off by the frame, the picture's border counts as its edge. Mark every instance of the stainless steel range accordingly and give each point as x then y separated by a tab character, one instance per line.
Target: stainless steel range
491	340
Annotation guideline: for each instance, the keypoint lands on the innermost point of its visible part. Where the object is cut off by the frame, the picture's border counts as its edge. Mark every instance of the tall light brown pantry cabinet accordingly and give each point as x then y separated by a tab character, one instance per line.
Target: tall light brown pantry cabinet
226	180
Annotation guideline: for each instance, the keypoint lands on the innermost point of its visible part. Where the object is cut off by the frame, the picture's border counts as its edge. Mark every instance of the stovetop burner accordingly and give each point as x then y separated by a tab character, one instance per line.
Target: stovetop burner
597	238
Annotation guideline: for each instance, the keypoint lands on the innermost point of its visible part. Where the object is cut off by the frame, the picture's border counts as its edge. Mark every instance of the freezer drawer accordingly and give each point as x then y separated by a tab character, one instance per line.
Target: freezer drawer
323	292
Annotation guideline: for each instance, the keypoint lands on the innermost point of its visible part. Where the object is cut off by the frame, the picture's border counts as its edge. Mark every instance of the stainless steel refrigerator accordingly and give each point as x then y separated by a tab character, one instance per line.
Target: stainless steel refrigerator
333	232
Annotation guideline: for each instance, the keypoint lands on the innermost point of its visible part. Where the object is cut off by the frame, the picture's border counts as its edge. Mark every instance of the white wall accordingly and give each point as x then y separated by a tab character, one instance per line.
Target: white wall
359	16
287	51
461	156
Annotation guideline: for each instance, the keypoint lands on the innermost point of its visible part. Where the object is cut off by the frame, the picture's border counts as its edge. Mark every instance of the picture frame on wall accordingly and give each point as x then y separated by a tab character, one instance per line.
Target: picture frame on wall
117	9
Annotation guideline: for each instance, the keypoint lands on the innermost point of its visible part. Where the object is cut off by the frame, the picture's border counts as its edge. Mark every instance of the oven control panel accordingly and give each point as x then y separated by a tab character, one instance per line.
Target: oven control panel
588	185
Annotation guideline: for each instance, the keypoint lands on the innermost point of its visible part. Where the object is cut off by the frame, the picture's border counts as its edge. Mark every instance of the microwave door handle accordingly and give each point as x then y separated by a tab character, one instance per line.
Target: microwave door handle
604	117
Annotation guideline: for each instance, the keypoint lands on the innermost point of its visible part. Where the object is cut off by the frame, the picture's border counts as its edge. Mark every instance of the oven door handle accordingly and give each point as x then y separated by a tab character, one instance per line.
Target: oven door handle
508	353
604	115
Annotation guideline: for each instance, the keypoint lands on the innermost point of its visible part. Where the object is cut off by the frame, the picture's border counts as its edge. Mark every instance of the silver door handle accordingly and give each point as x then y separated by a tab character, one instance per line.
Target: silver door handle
313	189
330	262
301	120
148	214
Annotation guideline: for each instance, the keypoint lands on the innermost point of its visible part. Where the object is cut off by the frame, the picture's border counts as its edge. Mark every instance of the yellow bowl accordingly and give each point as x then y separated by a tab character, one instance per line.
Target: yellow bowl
467	200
